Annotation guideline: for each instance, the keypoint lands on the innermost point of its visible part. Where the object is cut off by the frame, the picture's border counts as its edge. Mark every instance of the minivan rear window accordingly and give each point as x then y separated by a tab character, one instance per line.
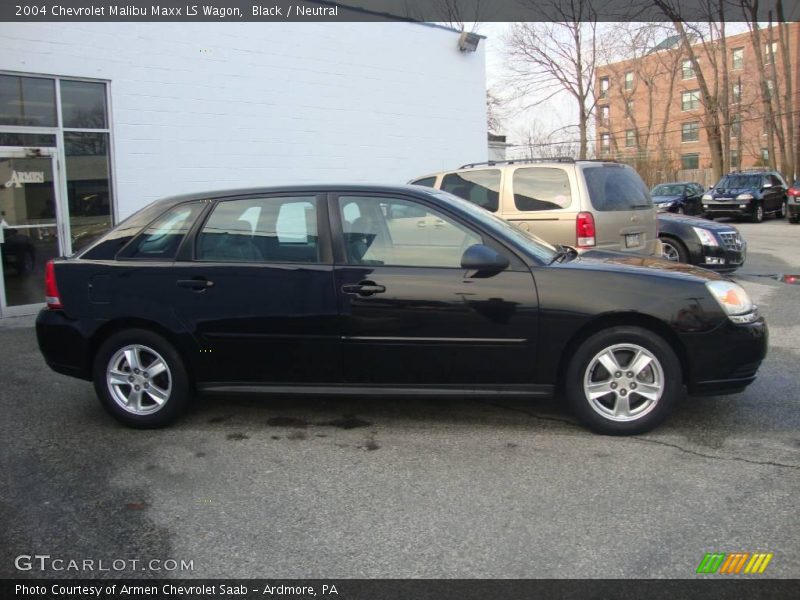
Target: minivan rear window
613	188
481	187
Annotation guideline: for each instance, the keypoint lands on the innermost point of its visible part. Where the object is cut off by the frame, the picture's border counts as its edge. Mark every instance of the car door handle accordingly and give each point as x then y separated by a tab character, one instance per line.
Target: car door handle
365	288
198	284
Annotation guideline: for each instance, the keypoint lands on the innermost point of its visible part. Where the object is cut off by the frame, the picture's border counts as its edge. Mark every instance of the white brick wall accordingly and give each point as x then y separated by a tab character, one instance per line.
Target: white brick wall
199	106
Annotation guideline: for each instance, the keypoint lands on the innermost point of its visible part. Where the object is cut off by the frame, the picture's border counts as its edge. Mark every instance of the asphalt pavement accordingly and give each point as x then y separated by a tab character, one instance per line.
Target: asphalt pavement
285	488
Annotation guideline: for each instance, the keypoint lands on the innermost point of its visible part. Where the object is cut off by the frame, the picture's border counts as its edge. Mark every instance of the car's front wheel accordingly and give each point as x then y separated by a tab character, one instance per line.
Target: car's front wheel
674	250
757	216
782	212
140	379
623	380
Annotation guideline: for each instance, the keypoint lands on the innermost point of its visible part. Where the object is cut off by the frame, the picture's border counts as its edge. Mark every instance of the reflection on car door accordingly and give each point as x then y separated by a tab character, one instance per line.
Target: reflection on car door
408	308
258	294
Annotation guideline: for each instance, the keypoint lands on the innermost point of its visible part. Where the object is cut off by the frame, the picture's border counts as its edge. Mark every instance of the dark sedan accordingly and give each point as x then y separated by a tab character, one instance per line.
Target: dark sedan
708	244
384	290
793	202
680	197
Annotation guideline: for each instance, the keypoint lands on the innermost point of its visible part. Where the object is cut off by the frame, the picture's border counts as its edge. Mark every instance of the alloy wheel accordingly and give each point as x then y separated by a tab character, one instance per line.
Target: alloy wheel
623	382
670	252
139	379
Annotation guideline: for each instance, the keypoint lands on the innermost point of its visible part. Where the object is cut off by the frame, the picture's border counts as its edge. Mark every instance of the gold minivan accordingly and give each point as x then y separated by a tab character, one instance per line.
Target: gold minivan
580	203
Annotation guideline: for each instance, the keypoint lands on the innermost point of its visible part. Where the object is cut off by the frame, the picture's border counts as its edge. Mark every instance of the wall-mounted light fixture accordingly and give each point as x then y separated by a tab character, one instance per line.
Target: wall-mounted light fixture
468	42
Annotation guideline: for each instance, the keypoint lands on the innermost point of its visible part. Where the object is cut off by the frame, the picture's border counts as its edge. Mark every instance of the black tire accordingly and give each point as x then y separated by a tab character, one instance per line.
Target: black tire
757	216
177	400
674	249
583	361
794	220
708	216
781	214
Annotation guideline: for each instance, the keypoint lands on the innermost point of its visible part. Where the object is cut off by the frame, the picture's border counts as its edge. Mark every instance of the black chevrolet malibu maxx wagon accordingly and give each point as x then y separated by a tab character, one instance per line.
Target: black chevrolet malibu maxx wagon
384	290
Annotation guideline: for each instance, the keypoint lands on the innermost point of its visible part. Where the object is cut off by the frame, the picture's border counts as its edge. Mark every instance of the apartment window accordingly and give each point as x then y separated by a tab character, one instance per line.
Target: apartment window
629	108
690	100
629	80
738	58
605	143
687	70
604	87
736	93
735	160
604	111
769	52
736	127
690	132
765	154
630	138
690	161
770	88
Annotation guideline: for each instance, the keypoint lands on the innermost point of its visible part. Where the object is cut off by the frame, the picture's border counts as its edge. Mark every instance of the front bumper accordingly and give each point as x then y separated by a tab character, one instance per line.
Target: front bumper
722	258
728	208
726	359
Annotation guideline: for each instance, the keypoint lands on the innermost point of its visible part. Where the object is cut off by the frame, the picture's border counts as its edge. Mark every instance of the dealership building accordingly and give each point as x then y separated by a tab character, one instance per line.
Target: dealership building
99	119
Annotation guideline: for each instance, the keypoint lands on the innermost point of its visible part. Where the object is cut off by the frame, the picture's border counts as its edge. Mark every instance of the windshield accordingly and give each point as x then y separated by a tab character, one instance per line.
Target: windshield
538	247
738	182
667	190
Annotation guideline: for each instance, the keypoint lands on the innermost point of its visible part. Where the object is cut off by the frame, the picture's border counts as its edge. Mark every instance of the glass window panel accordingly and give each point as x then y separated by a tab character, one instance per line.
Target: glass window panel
277	229
161	239
88	186
83	104
541	188
27	101
481	187
395	232
40	140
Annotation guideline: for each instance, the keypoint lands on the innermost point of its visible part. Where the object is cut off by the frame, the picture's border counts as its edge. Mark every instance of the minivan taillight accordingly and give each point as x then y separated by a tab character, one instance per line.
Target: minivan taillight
52	297
584	230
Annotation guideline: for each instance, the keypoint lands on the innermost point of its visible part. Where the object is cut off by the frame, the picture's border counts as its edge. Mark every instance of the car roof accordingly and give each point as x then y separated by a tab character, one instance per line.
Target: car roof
291	189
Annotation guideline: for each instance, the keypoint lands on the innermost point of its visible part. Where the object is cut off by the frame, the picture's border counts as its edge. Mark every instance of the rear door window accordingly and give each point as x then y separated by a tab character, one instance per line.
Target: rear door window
541	188
616	189
481	187
276	229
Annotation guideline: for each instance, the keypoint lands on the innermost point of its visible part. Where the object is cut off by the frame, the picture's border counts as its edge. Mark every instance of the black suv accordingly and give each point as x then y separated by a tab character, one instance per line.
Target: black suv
750	194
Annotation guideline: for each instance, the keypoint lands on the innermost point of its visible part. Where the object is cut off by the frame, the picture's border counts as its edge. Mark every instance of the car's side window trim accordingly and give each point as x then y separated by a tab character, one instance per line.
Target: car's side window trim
337	230
325	252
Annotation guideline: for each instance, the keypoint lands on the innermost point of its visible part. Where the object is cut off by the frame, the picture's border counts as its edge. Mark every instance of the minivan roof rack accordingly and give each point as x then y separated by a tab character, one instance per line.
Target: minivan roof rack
561	159
492	163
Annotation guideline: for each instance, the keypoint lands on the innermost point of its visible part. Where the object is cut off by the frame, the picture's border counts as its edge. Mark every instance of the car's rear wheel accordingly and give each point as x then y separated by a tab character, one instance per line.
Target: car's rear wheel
757	215
674	250
623	381
140	379
782	212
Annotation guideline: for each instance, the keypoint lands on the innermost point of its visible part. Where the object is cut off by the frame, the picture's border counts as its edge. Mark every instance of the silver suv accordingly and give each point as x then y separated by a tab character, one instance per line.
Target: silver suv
580	203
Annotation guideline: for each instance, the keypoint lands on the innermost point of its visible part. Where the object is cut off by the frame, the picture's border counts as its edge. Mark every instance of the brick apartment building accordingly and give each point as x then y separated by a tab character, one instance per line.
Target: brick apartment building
650	111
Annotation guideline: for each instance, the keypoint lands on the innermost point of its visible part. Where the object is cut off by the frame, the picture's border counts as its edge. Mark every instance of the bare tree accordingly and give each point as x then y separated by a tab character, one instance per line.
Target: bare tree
715	110
494	109
548	58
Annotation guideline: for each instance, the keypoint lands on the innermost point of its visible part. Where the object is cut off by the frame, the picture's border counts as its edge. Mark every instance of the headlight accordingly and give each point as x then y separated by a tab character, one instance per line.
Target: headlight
706	237
707	197
733	300
667	204
744	197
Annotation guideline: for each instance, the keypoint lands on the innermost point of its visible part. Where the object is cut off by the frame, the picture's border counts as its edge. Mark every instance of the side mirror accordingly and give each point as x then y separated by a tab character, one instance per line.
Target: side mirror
482	258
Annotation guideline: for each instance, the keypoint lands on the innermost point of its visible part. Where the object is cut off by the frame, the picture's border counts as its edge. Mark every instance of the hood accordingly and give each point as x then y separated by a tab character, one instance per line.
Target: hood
695	222
660	199
642	265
